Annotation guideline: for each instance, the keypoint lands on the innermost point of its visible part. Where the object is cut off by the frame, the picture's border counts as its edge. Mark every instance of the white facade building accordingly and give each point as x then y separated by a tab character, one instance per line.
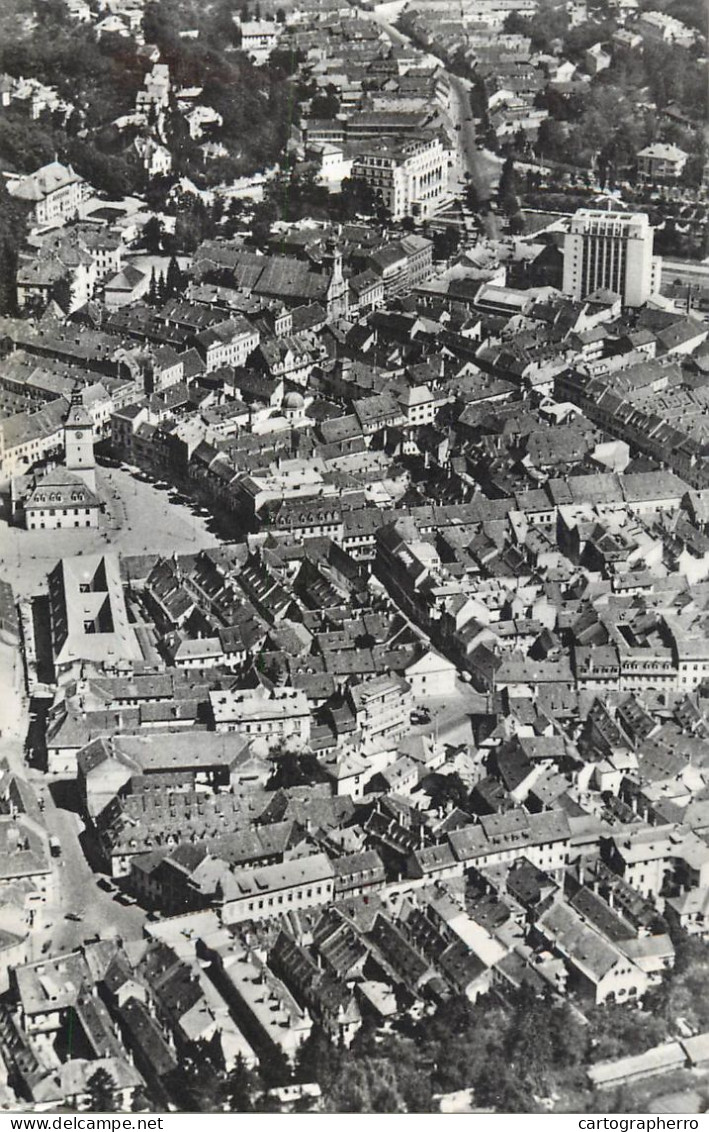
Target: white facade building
55	192
410	177
611	251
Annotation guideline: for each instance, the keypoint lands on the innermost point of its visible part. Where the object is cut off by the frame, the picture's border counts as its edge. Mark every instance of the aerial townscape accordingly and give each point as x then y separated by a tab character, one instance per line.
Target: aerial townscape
354	556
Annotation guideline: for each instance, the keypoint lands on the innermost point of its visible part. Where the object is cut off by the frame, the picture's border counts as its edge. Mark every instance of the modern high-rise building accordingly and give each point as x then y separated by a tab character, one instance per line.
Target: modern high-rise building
611	251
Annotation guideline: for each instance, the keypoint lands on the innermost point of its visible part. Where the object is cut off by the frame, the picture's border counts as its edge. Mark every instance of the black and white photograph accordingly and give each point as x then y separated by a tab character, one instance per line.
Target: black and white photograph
354	560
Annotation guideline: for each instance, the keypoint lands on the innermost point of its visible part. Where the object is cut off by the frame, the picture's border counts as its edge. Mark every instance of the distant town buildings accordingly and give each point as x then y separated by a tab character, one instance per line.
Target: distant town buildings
661	162
409	707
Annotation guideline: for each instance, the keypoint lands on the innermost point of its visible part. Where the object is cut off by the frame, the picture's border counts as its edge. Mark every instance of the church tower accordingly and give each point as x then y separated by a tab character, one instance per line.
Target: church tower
79	442
338	289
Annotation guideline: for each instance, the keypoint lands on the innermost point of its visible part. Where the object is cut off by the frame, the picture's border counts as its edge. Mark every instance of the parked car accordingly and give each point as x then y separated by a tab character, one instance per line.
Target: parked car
420	715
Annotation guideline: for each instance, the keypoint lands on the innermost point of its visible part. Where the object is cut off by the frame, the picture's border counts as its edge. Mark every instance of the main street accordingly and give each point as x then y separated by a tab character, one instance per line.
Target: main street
481	168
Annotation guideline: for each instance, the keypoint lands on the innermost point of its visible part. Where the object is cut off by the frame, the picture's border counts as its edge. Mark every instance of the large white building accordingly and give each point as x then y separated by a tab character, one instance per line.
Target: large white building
55	192
88	616
276	715
611	251
411	177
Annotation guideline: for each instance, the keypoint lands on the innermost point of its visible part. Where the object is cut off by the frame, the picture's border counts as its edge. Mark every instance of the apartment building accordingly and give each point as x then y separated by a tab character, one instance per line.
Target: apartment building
275	715
55	192
410	177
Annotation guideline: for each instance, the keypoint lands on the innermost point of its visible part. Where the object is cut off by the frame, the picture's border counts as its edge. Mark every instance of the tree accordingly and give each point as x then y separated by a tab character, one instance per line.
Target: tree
264	217
8	278
317	1058
174	281
61	293
549	22
284	61
445	243
101	1087
157	192
197	1085
325	105
152	296
152	235
552	140
694	169
357	198
517	224
618	1031
275	1070
239	1087
499	1086
193	224
530	1046
508	188
516	24
579	38
445	788
293	768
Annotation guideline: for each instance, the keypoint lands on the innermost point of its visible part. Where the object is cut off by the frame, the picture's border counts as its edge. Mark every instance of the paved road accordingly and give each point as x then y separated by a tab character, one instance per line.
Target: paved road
139	517
75	888
480	168
472	160
78	891
450	721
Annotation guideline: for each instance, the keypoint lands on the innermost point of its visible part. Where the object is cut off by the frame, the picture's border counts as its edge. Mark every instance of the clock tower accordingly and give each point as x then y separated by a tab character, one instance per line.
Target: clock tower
79	442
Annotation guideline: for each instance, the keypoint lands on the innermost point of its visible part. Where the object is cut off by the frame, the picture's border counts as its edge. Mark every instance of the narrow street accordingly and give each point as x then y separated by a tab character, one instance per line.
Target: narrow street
75	888
78	891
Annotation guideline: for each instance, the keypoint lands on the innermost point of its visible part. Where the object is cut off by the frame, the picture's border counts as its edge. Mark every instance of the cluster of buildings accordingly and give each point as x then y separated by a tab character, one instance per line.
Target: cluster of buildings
548	607
433	720
517	84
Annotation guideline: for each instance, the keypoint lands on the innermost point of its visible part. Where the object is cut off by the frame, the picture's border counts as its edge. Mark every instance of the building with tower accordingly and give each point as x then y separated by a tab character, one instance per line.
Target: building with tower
62	498
611	251
79	456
